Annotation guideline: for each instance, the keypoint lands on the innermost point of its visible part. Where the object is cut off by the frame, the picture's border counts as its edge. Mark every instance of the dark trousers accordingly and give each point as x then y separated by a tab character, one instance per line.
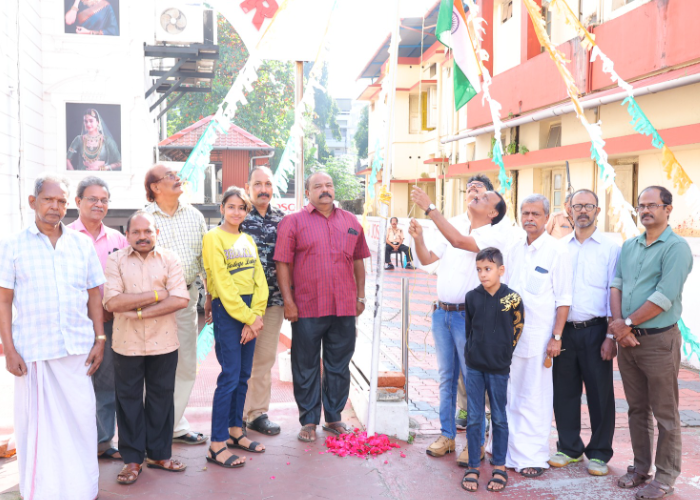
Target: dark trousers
580	363
402	248
479	383
105	398
650	378
145	425
337	335
236	362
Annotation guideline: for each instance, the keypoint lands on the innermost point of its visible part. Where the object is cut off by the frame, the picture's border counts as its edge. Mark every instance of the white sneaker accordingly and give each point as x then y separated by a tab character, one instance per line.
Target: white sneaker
597	467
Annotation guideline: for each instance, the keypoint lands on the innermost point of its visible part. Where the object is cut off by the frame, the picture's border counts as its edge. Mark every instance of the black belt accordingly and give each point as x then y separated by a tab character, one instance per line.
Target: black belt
588	323
639	332
445	306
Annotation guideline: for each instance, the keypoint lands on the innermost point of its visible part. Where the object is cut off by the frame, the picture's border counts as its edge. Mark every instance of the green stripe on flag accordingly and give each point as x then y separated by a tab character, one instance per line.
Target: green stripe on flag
444	22
464	90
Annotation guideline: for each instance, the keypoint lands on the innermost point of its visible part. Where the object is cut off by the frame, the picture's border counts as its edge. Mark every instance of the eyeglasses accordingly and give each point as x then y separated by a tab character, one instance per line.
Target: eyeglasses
650	207
588	206
170	175
92	200
476	185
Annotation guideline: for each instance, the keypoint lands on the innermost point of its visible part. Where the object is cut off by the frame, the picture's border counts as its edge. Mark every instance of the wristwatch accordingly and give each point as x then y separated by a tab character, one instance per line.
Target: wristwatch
629	323
362	300
610	336
430	207
556	337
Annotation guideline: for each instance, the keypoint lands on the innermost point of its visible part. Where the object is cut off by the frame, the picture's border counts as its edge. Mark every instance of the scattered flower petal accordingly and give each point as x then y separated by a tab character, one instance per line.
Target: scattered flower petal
272	477
386	461
403	456
358	444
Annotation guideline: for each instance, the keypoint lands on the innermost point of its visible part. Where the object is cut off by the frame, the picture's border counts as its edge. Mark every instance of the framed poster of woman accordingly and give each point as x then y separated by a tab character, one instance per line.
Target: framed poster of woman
93	137
92	17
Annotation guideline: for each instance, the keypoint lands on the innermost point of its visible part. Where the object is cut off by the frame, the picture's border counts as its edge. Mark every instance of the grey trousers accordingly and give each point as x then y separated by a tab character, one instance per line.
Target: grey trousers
105	398
650	378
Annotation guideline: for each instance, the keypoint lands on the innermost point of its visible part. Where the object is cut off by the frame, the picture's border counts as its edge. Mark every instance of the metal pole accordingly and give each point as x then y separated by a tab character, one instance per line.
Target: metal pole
299	174
383	212
404	333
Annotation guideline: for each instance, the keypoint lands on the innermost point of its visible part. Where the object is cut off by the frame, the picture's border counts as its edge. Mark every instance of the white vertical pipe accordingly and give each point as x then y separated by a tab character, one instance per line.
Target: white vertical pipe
383	212
299	171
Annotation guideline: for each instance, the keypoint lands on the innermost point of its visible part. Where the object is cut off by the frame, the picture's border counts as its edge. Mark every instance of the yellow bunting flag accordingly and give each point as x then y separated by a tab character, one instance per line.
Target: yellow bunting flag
674	171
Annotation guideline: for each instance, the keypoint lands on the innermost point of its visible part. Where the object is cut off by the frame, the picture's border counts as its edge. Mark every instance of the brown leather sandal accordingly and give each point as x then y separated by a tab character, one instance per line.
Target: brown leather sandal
169	465
653	491
632	479
311	430
129	473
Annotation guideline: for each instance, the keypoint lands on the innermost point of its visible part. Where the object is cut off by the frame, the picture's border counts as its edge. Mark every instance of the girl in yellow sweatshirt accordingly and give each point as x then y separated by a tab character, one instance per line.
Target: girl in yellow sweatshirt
237	284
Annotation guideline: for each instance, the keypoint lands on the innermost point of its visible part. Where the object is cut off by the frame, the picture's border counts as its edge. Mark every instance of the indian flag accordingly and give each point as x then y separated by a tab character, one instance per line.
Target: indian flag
452	31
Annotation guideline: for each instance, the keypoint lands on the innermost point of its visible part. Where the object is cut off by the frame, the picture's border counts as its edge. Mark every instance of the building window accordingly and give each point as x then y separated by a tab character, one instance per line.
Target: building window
432	108
554	137
506	10
616	4
547	16
414	114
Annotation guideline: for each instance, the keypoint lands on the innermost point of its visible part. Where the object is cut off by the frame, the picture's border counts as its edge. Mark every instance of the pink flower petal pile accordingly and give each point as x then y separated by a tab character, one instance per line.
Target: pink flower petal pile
358	444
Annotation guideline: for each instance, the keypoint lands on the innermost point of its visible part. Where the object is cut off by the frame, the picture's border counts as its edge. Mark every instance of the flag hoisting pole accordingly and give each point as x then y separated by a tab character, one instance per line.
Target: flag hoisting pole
383	212
299	171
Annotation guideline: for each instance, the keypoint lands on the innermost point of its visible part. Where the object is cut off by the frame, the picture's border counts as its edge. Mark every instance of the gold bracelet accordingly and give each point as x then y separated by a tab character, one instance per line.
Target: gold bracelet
138	313
156	292
101	337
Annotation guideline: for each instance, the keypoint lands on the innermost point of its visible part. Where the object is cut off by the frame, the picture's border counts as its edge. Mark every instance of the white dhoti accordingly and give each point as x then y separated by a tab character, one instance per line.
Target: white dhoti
56	431
529	410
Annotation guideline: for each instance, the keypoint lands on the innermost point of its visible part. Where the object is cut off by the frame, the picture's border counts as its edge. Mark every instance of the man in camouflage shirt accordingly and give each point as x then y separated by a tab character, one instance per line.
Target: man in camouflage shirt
261	223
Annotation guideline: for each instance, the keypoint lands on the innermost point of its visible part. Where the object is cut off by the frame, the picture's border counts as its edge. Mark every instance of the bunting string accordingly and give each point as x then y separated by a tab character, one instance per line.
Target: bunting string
620	209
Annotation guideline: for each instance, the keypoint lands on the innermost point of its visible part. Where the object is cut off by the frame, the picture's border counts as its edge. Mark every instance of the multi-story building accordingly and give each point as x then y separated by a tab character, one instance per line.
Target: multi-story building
348	117
652	43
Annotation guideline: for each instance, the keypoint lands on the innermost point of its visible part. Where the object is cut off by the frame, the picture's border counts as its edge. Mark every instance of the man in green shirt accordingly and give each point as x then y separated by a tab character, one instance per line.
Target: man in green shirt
645	302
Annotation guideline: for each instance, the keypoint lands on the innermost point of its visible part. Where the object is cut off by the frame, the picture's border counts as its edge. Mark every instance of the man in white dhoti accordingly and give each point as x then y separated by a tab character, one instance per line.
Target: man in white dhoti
52	276
538	268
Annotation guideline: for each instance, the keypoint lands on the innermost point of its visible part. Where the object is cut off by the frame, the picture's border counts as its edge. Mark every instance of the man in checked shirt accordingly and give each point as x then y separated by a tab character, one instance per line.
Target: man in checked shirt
181	229
323	293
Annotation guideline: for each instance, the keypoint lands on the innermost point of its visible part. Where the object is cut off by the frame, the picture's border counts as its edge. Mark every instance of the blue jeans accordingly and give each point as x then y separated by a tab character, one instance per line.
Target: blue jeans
450	340
497	387
236	362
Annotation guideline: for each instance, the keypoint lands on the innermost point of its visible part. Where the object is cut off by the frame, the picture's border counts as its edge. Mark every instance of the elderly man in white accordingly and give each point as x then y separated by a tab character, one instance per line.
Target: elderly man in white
539	269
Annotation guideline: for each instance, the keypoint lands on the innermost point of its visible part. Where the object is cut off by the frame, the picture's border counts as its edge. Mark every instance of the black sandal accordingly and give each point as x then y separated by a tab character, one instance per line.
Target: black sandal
228	464
498	480
109	453
466	479
337	428
538	472
251	449
263	425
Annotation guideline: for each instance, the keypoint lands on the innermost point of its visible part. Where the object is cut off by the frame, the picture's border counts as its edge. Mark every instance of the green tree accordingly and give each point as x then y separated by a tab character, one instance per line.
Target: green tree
269	113
347	184
361	138
324	115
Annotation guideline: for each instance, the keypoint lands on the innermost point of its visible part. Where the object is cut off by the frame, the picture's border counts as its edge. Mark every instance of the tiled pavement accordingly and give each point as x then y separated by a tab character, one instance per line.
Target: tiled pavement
423	375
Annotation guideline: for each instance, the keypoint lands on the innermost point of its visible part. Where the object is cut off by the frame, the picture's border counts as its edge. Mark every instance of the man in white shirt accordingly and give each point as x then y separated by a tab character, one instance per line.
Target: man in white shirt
538	268
456	276
589	346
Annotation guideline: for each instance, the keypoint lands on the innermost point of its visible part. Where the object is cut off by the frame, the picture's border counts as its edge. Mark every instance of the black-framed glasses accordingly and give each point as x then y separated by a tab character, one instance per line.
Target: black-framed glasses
92	200
650	207
588	206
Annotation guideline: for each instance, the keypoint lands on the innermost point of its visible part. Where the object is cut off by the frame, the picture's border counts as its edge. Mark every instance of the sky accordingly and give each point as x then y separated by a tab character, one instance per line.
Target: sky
358	27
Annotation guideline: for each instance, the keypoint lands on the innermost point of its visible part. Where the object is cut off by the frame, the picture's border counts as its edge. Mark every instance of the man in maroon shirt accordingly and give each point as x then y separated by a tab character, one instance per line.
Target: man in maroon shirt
323	292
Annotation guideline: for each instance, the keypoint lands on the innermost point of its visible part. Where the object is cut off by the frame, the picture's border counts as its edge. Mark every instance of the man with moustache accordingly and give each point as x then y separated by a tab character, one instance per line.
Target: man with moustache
181	229
539	269
323	294
457	251
561	224
52	275
92	198
588	347
144	290
646	305
261	223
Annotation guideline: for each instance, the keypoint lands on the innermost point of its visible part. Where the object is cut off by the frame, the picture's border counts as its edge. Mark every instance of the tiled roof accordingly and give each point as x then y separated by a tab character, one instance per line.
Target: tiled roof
236	138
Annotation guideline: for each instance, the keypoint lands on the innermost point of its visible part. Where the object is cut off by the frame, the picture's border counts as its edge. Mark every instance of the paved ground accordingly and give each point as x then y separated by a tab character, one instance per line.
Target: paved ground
294	470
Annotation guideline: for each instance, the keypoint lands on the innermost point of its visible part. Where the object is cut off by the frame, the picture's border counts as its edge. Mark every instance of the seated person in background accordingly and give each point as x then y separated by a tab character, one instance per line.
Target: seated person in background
394	243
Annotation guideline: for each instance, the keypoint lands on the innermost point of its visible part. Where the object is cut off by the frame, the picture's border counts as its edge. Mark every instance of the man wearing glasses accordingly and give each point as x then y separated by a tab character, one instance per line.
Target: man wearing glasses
92	200
181	228
645	301
588	347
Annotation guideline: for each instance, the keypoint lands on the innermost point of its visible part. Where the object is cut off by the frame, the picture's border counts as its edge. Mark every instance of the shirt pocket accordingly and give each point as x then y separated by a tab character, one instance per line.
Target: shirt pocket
535	282
349	244
596	276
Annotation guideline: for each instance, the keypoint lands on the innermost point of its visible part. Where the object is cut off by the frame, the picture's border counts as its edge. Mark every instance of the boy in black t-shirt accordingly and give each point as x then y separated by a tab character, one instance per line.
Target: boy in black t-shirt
494	320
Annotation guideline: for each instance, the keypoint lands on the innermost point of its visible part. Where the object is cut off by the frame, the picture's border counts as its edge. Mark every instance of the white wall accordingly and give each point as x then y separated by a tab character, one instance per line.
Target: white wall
55	68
